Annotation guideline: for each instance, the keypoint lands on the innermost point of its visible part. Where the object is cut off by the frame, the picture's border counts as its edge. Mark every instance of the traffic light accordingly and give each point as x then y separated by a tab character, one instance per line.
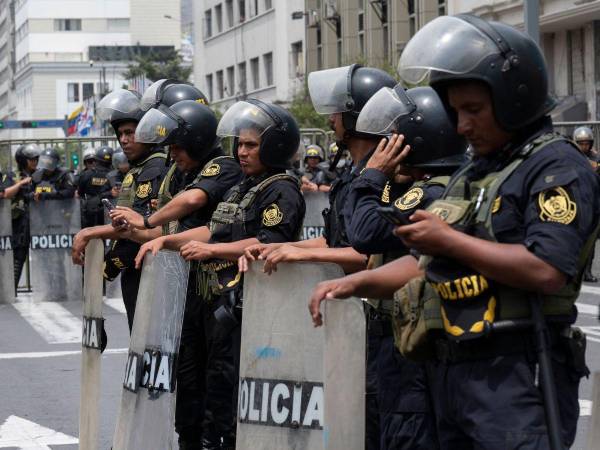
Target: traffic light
75	159
29	124
1	125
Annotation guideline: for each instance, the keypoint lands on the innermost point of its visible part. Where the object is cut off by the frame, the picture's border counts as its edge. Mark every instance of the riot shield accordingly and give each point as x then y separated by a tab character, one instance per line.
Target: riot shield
314	224
7	283
281	402
54	224
147	412
91	342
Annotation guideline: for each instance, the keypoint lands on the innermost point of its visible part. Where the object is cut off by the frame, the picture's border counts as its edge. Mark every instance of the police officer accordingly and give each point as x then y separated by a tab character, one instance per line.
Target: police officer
140	187
194	185
313	176
50	181
271	206
520	220
584	138
94	186
120	166
341	93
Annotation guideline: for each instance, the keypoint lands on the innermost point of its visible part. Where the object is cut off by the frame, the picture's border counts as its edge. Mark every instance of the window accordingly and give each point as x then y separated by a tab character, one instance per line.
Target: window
268	4
268	63
441	7
361	27
338	33
412	16
73	92
297	59
220	83
22	31
209	86
230	81
254	70
67	24
87	90
118	25
242	77
219	17
253	8
242	9
229	8
207	23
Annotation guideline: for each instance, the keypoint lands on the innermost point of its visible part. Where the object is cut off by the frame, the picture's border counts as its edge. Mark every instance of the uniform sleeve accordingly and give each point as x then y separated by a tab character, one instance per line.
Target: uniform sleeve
148	184
562	210
65	188
281	212
6	180
216	179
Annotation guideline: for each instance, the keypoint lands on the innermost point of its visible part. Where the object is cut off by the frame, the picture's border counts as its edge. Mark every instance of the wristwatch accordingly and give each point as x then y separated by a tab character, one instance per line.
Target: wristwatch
147	224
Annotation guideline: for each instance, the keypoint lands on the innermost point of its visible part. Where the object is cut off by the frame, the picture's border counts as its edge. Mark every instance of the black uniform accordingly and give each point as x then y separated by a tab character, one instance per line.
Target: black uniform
224	343
57	185
93	186
549	204
406	419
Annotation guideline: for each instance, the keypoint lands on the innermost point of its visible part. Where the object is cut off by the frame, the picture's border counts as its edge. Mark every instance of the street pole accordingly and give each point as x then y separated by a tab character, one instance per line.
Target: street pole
532	19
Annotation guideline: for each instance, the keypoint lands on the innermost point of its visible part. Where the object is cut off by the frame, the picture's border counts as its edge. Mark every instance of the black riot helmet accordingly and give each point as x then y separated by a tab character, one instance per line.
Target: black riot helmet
49	160
188	123
277	128
120	106
168	92
346	90
464	47
25	152
119	159
314	151
104	155
420	115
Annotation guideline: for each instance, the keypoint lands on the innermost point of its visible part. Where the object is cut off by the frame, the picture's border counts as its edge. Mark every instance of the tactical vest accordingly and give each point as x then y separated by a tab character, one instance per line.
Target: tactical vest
237	212
129	186
164	197
471	204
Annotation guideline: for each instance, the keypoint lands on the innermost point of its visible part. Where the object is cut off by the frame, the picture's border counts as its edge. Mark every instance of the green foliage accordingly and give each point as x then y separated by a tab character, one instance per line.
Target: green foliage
306	116
156	66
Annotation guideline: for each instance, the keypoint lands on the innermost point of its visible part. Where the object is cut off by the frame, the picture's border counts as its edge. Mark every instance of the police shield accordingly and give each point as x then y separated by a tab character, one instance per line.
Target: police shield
147	412
281	401
7	284
91	341
53	225
313	226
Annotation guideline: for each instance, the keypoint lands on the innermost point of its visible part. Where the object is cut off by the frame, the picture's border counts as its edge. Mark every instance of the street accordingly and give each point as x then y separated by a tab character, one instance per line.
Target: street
40	371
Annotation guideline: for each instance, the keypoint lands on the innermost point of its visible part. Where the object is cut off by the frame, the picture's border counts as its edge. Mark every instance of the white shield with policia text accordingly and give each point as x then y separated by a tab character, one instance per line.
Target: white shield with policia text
283	401
147	412
314	225
7	283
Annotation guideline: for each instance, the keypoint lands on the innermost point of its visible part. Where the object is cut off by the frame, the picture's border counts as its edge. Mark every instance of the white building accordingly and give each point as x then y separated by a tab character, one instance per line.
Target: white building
248	48
570	39
65	51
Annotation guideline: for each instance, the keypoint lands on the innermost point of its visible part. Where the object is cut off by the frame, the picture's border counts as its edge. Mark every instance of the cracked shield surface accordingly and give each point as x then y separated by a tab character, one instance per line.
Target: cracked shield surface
314	224
283	380
147	410
7	286
53	225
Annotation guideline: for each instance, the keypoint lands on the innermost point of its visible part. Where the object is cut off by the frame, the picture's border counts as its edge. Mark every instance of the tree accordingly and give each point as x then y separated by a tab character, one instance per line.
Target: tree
304	112
156	66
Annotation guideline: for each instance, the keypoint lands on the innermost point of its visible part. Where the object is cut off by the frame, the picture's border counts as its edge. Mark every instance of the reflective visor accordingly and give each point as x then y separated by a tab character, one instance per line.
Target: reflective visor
330	90
446	44
46	163
381	112
155	127
118	101
244	116
151	97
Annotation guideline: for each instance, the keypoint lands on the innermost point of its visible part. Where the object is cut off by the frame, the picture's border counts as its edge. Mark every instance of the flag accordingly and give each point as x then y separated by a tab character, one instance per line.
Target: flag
72	121
81	121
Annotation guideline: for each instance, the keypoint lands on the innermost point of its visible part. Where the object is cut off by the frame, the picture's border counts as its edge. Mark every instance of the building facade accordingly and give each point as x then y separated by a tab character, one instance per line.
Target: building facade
65	51
570	39
341	32
248	48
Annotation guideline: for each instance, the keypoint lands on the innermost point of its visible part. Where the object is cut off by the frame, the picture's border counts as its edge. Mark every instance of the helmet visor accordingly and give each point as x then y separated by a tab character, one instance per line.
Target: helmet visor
244	116
31	151
47	163
153	94
330	90
118	101
155	127
446	44
381	112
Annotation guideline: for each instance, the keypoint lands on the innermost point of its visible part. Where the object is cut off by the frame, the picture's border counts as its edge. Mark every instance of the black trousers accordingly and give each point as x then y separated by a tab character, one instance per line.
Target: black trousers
19	258
130	283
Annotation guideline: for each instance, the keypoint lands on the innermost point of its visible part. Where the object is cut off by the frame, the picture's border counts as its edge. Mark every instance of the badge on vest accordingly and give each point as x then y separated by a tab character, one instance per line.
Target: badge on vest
144	190
385	196
556	206
211	170
409	200
97	181
127	181
496	205
272	216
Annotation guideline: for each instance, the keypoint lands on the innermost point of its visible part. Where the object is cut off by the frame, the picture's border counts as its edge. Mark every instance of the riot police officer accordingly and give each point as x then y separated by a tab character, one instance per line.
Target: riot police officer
266	206
191	190
313	176
93	186
50	181
140	187
584	138
509	237
120	166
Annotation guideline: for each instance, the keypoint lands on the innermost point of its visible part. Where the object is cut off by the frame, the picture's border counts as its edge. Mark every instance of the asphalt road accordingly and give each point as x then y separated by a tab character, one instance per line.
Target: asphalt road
40	371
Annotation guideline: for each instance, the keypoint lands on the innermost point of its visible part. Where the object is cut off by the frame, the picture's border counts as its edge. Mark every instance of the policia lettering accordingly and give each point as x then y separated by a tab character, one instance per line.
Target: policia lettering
92	332
51	241
153	371
5	243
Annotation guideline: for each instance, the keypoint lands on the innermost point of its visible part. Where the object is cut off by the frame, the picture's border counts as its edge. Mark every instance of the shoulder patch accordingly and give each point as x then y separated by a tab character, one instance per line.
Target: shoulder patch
127	181
556	206
496	205
272	215
385	196
143	190
211	170
409	200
